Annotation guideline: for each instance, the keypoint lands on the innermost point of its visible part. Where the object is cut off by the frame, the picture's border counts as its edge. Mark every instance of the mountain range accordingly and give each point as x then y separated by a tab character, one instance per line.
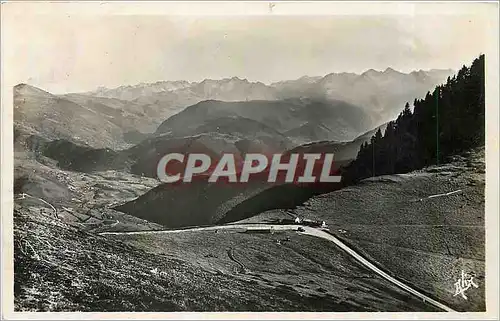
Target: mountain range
338	106
381	93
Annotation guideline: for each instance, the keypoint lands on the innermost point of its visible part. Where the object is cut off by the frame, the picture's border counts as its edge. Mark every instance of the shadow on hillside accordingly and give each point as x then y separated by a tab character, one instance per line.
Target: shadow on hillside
287	196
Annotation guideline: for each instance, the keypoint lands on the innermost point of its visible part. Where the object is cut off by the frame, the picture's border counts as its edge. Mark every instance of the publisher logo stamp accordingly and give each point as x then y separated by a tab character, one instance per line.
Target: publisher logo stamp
464	283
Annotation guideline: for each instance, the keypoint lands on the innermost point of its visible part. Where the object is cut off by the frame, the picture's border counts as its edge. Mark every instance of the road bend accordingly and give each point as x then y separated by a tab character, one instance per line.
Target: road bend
316	232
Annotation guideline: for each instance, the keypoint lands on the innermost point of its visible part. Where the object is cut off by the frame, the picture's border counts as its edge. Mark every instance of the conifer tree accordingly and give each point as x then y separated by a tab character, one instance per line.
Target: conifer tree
447	121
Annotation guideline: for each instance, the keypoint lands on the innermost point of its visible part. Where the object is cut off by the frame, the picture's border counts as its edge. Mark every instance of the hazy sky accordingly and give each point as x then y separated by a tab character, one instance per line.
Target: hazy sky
62	53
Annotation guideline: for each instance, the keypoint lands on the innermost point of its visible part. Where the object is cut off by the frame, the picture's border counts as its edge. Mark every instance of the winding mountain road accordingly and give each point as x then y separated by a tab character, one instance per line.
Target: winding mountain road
317	232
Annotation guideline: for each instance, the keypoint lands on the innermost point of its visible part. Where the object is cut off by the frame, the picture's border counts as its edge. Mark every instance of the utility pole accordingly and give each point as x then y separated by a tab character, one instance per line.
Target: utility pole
437	126
373	159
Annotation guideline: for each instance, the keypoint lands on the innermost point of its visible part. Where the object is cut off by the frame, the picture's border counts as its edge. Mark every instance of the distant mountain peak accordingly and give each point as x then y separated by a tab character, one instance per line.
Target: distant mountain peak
370	72
24	88
27	86
391	70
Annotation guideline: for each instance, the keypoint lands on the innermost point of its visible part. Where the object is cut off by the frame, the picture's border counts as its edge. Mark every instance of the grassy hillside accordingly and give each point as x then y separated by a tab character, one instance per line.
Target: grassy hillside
62	268
398	222
86	121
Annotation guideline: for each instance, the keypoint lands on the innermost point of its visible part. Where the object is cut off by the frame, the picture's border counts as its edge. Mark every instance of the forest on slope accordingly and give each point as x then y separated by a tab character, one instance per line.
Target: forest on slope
448	121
